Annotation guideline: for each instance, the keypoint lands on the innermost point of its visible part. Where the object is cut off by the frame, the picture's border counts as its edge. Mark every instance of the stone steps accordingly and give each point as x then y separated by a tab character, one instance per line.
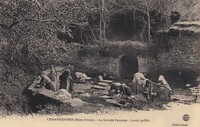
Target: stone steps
103	84
98	87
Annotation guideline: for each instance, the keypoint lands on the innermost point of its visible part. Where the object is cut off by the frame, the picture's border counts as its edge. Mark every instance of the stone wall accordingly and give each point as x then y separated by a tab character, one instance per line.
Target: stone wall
182	61
112	65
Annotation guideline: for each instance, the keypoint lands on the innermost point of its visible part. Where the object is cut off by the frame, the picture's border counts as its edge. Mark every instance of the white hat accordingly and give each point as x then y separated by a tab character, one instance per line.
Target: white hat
123	84
117	84
161	77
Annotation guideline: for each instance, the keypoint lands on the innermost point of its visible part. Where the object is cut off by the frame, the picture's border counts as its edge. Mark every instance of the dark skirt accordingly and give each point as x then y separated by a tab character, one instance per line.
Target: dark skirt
50	86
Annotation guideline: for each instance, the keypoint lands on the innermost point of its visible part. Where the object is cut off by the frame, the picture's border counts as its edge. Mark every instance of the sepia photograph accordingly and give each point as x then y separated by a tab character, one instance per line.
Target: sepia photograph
122	63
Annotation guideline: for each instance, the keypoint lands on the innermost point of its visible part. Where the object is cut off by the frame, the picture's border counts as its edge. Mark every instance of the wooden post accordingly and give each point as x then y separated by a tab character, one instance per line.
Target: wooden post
136	88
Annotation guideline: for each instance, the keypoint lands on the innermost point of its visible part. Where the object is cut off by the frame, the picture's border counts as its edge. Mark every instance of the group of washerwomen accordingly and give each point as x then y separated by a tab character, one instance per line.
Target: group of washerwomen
139	80
66	82
49	82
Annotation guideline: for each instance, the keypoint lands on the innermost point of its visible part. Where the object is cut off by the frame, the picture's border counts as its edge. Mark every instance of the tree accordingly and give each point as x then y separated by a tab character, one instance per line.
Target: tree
29	27
102	22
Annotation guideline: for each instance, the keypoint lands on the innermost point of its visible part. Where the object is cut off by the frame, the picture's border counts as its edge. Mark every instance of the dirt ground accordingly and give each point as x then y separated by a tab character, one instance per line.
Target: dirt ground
97	104
101	112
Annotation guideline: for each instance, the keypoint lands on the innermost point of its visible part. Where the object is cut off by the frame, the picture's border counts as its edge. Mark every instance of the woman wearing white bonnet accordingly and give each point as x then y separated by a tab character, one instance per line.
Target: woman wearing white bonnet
163	82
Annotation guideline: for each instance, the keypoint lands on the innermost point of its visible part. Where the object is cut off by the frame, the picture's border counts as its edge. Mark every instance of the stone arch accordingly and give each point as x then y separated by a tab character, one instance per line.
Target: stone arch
128	65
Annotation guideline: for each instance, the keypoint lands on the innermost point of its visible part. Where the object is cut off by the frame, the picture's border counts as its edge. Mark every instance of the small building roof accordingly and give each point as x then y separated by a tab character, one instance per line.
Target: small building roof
186	26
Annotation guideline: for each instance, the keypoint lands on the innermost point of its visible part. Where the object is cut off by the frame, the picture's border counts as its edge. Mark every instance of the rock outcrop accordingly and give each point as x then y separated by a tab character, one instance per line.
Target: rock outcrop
48	96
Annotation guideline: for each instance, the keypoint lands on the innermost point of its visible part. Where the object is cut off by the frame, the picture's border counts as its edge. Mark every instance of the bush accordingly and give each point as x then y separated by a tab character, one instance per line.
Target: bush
11	95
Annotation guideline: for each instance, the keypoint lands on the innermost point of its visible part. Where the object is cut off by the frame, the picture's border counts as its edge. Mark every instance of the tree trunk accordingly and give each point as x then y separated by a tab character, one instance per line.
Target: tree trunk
102	22
148	22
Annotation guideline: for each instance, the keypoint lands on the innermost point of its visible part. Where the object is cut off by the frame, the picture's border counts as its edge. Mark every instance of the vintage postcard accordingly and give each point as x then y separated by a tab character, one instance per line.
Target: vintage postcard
121	63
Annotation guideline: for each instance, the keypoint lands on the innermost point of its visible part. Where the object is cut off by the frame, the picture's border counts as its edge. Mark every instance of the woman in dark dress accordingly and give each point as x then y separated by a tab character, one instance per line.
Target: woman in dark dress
66	81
